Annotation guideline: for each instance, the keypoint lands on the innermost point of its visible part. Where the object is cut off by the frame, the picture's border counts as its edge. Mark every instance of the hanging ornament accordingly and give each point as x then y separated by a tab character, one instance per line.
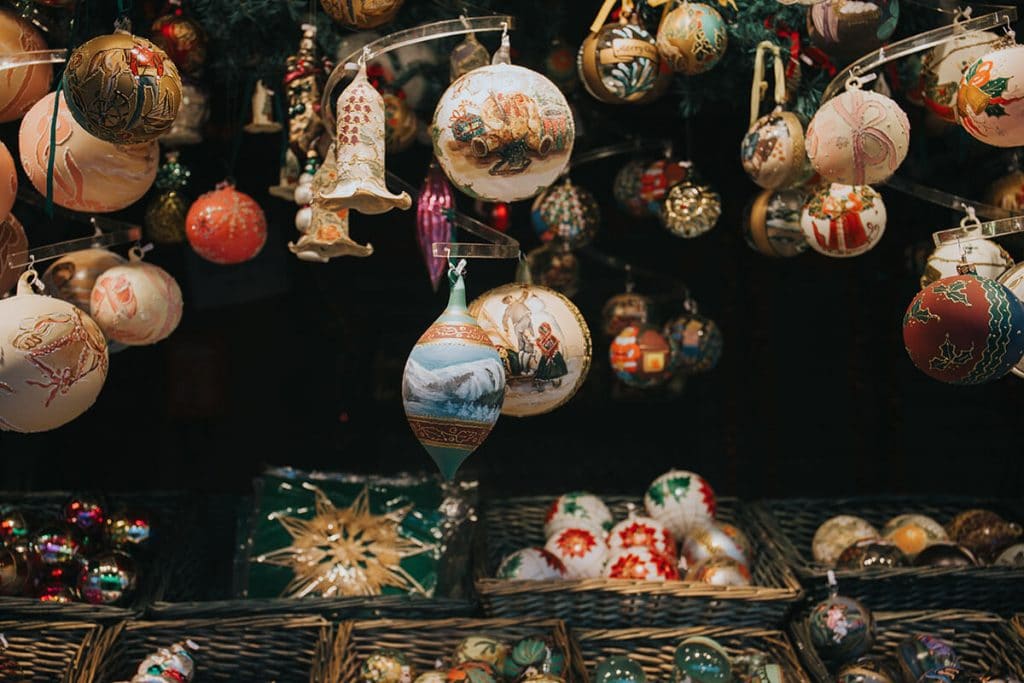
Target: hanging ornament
433	221
23	86
136	303
843	220
403	71
566	213
122	88
502	132
989	98
697	341
454	384
304	82
226	226
109	579
164	221
690	210
579	510
560	67
692	38
12	241
530	564
842	629
362	14
181	37
263	120
582	551
468	55
988	259
641	356
838	533
659	177
623	310
943	66
683	501
89	175
619	63
554	265
619	669
8	182
176	663
640	564
847	29
72	276
771	224
642	532
626	188
193	114
400	124
964	329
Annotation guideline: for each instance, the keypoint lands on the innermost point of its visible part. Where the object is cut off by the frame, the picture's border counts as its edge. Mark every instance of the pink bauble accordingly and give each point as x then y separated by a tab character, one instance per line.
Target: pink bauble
642	532
582	551
640	564
21	87
137	303
226	226
8	182
12	241
89	175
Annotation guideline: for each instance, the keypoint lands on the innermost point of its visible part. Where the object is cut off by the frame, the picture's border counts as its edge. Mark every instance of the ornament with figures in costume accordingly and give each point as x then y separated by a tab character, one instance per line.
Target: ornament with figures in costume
640	563
175	663
619	63
990	98
641	356
692	38
698	342
530	564
841	629
72	276
226	226
838	533
582	551
23	85
772	151
924	652
771	225
944	65
136	303
12	241
988	259
843	220
681	500
577	509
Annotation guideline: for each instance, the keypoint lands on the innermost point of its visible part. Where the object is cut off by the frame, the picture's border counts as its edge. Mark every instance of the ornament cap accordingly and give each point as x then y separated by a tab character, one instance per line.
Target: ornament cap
29	283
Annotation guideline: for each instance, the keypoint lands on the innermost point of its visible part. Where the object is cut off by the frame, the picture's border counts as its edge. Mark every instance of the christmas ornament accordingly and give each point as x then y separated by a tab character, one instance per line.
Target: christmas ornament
624	310
988	259
181	37
690	210
913	533
566	213
923	652
55	361
657	180
851	28
136	303
481	649
226	226
8	182
642	532
719	571
13	528
582	551
1008	192
89	175
841	628
580	510
57	593
72	276
129	528
619	669
386	666
433	221
843	220
262	111
836	534
989	98
532	654
697	341
12	241
471	672
468	55
701	660
176	663
454	383
772	223
554	265
502	132
1013	556
193	114
619	63
719	539
400	124
866	670
86	514
560	66
164	221
122	88
326	236
859	137
495	213
944	64
15	571
641	356
869	553
943	554
359	152
108	579
531	564
640	564
543	342
362	14
627	186
56	547
683	501
1012	279
692	38
23	86
964	329
983	532
304	82
772	151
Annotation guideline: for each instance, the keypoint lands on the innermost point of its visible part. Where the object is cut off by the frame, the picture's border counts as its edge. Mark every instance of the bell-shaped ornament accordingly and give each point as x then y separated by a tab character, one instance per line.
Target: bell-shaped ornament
359	152
262	111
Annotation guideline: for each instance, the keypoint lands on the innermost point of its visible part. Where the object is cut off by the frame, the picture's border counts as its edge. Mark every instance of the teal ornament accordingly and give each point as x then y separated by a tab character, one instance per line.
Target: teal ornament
866	670
472	672
698	342
454	384
701	660
619	670
842	629
535	654
923	652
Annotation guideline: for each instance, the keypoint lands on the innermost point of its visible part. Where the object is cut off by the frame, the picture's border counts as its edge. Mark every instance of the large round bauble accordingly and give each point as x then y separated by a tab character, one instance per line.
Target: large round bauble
692	38
530	564
15	571
698	343
858	137
984	532
362	14
8	182
771	225
623	310
945	554
772	151
1012	279
555	266
627	186
923	652
481	648
22	86
913	533
944	65
122	88
851	28
109	579
720	539
641	356
54	361
843	220
841	628
640	564
577	509
89	175
871	553
989	259
990	98
690	210
581	550
701	660
683	501
837	534
642	532
226	226
964	329
386	666
619	669
620	64
566	213
136	304
182	38
502	133
12	241
720	571
72	276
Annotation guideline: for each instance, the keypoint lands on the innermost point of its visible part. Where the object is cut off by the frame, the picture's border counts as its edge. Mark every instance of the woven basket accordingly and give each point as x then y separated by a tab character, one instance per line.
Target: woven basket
612	603
332	609
424	642
1018	625
984	641
282	649
49	651
792	524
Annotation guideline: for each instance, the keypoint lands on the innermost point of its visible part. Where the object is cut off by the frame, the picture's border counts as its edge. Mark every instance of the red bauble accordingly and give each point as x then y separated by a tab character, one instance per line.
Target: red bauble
226	226
182	38
641	564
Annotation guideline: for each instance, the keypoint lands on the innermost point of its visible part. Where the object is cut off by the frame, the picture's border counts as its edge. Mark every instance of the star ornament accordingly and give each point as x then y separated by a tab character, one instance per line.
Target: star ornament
342	552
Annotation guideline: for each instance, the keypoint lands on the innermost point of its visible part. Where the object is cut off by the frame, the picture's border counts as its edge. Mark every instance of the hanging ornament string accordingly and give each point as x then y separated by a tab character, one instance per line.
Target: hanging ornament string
759	86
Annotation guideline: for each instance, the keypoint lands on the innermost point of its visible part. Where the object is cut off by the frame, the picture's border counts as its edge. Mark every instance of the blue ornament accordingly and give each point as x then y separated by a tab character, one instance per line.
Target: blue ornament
702	660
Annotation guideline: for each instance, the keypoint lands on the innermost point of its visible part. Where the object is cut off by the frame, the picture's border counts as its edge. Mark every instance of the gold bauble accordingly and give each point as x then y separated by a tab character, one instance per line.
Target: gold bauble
164	221
690	209
362	14
620	64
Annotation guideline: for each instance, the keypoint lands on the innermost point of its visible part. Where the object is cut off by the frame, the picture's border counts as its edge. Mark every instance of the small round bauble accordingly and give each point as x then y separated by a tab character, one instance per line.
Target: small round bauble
964	329
182	38
1007	192
988	258
129	529
56	546
641	356
843	220
913	533
690	210
13	527
923	652
841	629
471	672
771	225
566	213
619	669
122	88
698	343
683	501
481	648
642	532
532	653
944	554
851	28
386	666
109	579
627	186
555	266
983	532
859	137
530	564
865	670
12	241
582	551
362	14
226	226
837	534
72	276
136	303
871	553
89	174
701	660
772	151
944	65
502	133
15	571
620	64
640	564
1013	556
720	571
8	182
717	540
624	310
990	98
24	85
85	513
692	38
577	509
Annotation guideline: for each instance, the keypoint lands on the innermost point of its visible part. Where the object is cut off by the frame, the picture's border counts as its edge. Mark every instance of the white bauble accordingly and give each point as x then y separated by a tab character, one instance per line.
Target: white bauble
682	501
987	257
136	303
578	509
990	98
582	551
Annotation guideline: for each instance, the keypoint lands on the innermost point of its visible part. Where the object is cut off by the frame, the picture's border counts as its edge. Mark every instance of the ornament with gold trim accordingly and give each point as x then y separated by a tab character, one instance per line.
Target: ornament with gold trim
692	38
164	221
943	66
771	224
619	63
988	259
690	209
990	98
362	14
23	86
181	37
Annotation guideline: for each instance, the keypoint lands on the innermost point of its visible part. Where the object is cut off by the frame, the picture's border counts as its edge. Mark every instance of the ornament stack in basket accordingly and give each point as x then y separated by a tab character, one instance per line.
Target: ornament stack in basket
697	659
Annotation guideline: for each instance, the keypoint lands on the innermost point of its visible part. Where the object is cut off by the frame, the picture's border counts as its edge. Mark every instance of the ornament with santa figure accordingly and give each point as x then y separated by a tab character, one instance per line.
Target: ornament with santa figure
843	220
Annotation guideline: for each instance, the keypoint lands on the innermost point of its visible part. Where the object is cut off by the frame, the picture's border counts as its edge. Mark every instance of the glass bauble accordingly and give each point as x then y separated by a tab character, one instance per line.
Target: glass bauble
681	500
136	303
620	64
841	628
226	226
843	220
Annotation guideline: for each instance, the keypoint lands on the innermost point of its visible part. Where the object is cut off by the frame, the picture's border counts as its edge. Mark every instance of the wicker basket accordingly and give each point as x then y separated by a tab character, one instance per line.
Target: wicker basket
611	603
49	651
654	649
282	649
792	524
332	609
984	641
424	642
1018	625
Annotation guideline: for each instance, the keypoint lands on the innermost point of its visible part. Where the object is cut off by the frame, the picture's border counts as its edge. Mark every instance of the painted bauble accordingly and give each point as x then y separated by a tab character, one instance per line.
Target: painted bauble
226	226
8	181
12	241
841	629
690	210
122	88
837	534
1007	192
923	652
681	500
983	532
22	86
620	64
1012	556
640	564
772	223
54	361
386	666
641	356
530	564
642	532
865	670
183	40
577	509
362	14
964	329
581	550
86	513
129	528
554	265
913	533
109	579
136	303
543	341
720	539
843	220
692	38
502	133
698	343
72	276
453	386
566	213
944	554
1012	279
720	571
623	310
89	174
471	672
990	98
537	654
619	669
871	553
15	571
658	178
701	660
859	137
626	188
851	28
989	259
944	65
772	151
481	648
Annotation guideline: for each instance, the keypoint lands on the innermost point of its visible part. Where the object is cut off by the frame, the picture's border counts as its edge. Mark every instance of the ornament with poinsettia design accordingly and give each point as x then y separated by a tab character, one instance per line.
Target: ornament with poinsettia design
640	564
582	551
683	501
642	532
577	509
530	564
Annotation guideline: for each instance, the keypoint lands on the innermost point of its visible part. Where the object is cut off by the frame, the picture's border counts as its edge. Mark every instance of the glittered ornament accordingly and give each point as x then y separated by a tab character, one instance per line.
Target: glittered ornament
681	500
122	88
923	652
626	188
583	551
226	226
181	37
400	123
701	660
943	66
619	63
8	182
624	310
193	114
690	210
640	564
944	554
772	152
692	38
836	534
851	28
530	564
964	329
871	553
164	221
642	532
913	533
990	98
697	340
641	356
536	654
988	259
771	225
556	266
566	213
12	241
983	532
23	86
15	571
129	528
362	14
481	648
619	669
109	579
72	276
1012	279
843	220
841	628
720	539
433	220
136	303
386	665
720	571
580	510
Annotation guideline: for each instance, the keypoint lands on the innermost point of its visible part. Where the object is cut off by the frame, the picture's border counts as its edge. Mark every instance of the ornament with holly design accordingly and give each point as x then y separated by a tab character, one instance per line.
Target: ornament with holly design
531	564
577	509
582	551
683	501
